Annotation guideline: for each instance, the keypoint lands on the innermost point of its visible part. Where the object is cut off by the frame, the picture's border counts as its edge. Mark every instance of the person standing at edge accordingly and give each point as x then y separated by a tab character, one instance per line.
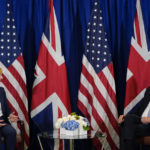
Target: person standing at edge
6	116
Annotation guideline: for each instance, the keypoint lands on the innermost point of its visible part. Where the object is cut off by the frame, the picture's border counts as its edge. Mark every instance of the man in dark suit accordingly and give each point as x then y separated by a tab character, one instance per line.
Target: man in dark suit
133	125
6	117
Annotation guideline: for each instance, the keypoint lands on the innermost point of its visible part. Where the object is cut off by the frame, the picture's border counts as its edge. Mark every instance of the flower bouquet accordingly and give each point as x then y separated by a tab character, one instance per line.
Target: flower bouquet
73	124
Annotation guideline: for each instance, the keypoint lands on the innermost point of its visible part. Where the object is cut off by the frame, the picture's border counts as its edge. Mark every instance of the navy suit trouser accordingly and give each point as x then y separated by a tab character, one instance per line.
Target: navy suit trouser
10	136
131	129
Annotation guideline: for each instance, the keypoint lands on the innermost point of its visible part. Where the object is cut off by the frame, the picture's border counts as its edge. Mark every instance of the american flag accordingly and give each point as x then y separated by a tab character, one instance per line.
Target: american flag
97	95
50	98
12	63
138	74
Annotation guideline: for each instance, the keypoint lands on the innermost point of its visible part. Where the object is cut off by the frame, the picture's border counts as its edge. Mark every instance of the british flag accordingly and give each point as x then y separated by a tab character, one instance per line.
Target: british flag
138	65
14	78
97	95
50	99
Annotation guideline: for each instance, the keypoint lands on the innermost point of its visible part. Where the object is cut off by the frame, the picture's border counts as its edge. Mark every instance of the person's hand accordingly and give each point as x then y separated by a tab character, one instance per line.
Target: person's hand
13	118
145	120
121	119
2	123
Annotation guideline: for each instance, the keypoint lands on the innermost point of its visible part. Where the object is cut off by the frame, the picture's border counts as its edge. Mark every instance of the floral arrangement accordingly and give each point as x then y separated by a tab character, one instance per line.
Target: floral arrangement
73	122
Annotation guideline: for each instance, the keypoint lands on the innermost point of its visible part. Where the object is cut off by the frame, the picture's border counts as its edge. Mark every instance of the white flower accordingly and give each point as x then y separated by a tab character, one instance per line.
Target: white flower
81	118
72	118
69	117
81	123
58	123
65	119
80	126
61	122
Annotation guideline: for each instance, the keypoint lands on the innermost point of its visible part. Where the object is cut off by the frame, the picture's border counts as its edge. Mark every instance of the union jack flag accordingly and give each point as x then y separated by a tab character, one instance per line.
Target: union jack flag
50	99
138	65
14	78
97	95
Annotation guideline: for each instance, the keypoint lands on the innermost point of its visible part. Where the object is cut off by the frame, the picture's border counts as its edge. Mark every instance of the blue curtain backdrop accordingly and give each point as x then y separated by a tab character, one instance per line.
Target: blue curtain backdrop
73	16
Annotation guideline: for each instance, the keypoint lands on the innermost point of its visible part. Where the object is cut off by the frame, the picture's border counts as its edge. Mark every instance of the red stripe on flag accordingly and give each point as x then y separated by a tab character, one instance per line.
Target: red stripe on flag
102	102
84	109
52	25
108	87
20	59
110	67
99	97
104	128
19	79
26	137
99	121
16	96
137	29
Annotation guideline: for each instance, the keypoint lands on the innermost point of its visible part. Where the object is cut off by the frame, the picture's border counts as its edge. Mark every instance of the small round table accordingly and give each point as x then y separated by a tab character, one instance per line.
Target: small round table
55	134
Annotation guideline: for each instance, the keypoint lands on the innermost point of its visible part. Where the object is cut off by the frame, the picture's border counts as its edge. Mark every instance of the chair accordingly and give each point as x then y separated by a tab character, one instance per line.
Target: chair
144	140
19	137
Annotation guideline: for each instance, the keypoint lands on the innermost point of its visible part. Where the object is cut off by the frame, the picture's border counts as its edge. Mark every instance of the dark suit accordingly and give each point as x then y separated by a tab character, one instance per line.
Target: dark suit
7	131
132	127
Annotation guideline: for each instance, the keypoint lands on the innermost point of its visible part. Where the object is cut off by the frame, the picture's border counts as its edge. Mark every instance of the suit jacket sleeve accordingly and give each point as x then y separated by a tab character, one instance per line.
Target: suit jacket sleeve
4	104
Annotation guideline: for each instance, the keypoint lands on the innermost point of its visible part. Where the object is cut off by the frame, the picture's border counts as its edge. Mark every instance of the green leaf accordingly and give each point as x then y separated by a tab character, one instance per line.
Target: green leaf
77	117
86	128
73	114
